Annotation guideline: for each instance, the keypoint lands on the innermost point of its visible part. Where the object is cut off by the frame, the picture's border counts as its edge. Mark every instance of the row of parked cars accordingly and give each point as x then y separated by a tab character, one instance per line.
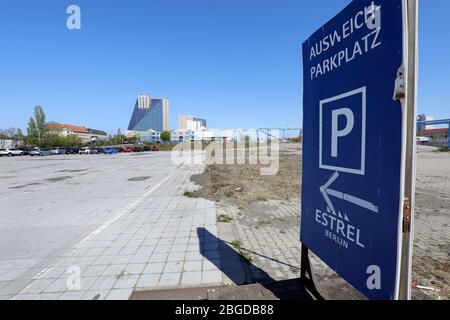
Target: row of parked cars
84	150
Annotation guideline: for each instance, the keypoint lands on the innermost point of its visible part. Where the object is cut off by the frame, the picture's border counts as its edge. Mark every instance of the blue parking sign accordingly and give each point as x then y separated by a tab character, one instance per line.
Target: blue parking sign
353	145
342	132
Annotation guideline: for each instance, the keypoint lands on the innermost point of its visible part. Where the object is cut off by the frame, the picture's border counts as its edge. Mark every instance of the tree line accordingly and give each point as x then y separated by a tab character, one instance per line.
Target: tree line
39	135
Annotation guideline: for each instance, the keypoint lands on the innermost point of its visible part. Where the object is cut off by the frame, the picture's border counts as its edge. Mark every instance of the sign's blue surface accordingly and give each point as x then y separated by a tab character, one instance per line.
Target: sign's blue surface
352	149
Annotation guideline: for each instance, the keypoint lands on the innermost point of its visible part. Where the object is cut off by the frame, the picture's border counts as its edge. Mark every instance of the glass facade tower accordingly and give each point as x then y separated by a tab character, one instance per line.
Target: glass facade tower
151	115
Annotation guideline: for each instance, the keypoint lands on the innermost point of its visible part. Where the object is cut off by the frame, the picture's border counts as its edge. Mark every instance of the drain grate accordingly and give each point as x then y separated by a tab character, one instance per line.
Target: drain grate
275	290
174	294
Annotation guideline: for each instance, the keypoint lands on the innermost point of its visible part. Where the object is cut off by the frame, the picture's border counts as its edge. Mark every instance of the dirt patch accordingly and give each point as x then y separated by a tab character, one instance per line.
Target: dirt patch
431	273
243	184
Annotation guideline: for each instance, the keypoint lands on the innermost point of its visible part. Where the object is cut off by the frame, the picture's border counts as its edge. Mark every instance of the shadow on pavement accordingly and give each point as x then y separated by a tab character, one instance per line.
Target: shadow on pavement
253	282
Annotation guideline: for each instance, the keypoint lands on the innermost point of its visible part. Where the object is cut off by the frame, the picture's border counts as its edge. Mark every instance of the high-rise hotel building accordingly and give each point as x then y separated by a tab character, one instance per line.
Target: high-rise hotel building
150	114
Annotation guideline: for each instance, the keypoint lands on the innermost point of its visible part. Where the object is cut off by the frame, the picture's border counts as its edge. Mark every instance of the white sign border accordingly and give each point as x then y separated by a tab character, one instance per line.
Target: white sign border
361	171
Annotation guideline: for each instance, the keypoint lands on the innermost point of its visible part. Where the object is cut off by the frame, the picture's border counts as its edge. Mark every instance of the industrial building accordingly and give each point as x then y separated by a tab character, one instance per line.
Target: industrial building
441	133
424	117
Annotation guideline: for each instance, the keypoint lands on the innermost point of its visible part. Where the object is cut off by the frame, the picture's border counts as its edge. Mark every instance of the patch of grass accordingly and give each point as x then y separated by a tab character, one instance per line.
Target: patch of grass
294	269
244	254
229	194
190	194
237	244
261	223
224	218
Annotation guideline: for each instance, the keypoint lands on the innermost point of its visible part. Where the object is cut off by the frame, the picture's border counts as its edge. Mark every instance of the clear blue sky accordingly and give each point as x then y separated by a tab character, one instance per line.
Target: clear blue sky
236	63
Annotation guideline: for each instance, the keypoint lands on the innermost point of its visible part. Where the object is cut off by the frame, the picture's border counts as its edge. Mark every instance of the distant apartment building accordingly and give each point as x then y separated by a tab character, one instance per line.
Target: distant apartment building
186	122
182	135
85	134
150	136
185	135
424	117
149	114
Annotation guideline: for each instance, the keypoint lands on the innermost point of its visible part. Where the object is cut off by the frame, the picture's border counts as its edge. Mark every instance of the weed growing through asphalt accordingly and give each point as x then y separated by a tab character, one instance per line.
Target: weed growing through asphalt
190	194
294	270
224	218
261	223
237	244
244	254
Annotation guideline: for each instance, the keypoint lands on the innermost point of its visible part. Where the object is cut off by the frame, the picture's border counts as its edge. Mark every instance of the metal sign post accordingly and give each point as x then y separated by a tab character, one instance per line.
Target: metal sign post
410	158
359	126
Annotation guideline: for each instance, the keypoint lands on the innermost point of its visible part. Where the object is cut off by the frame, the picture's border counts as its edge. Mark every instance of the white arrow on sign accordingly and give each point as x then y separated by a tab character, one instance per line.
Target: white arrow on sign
325	191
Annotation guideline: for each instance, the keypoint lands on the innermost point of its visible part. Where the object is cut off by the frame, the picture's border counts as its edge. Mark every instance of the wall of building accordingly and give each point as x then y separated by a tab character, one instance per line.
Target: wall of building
150	136
165	115
182	135
84	137
10	143
186	122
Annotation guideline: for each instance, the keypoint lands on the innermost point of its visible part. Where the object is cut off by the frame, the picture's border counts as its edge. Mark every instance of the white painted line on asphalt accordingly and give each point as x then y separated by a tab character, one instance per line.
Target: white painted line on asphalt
96	232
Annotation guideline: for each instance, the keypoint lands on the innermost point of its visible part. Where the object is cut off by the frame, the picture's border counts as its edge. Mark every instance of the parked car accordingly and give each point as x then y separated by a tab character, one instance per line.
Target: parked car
423	139
110	150
129	149
58	151
40	152
72	150
88	150
11	152
25	151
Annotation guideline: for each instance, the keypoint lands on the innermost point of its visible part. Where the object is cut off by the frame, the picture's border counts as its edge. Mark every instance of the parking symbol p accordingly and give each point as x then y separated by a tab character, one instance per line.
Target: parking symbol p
342	132
335	132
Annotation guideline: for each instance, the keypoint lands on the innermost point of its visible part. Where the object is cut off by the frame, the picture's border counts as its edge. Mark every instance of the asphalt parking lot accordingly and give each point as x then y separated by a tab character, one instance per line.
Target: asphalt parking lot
121	219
